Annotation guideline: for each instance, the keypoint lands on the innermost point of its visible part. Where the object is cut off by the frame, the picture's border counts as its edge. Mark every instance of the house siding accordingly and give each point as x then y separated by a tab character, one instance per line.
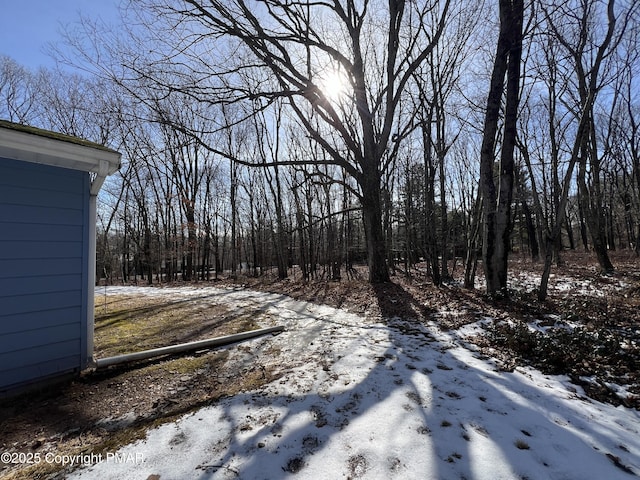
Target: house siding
44	222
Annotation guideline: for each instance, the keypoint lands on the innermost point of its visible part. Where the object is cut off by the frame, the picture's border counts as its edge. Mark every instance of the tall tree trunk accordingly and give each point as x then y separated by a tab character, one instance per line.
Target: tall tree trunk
531	231
471	261
216	249
444	224
536	230
583	225
302	257
281	241
189	269
591	199
206	251
569	228
497	201
371	202
126	251
234	218
332	251
430	223
311	239
148	262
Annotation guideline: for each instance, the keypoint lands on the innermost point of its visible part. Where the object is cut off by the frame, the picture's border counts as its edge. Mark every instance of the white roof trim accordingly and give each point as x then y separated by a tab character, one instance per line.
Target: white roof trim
57	152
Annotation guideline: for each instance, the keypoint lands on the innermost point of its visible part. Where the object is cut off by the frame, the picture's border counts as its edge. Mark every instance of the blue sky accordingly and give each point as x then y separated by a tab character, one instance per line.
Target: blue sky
26	26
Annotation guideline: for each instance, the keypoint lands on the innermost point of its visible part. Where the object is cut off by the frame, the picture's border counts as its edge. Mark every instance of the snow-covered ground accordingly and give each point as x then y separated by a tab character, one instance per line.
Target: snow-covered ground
380	401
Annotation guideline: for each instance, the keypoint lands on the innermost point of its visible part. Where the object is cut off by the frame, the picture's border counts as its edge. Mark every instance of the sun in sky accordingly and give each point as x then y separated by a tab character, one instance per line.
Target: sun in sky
334	84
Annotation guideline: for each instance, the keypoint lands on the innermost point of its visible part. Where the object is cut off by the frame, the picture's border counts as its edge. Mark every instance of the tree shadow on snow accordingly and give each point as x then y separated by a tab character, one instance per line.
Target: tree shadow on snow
470	422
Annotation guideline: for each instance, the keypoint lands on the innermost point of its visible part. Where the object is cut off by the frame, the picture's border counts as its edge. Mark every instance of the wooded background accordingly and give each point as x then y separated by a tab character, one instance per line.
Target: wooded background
309	137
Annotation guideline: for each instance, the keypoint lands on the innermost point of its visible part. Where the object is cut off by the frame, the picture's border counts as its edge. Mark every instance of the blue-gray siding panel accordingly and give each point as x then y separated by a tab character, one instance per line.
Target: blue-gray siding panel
12	231
39	214
43	270
13	195
13	345
41	177
33	372
29	250
42	284
43	353
55	359
37	302
32	267
37	320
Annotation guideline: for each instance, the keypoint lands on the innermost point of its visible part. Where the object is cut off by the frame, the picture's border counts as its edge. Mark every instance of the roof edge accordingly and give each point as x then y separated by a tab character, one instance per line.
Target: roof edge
23	142
19	127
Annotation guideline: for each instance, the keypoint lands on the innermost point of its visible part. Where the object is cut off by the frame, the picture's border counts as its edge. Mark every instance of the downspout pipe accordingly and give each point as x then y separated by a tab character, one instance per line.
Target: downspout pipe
104	169
87	358
184	347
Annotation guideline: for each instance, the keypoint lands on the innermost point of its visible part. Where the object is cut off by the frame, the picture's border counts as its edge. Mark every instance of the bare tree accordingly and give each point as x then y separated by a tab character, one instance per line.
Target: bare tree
17	92
587	51
497	200
437	82
331	113
628	127
590	47
268	148
291	50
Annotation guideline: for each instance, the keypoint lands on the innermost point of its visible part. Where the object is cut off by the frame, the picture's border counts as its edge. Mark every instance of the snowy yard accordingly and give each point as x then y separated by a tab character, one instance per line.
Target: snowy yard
365	399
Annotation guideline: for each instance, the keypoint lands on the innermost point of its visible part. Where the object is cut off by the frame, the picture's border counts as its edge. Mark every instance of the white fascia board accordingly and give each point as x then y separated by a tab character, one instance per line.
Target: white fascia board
28	147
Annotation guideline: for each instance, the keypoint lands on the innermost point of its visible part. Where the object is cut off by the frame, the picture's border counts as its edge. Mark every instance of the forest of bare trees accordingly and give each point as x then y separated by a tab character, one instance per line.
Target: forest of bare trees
307	138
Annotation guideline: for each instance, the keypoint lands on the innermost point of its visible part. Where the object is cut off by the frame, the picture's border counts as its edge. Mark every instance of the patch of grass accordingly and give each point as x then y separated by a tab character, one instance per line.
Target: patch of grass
126	324
185	365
